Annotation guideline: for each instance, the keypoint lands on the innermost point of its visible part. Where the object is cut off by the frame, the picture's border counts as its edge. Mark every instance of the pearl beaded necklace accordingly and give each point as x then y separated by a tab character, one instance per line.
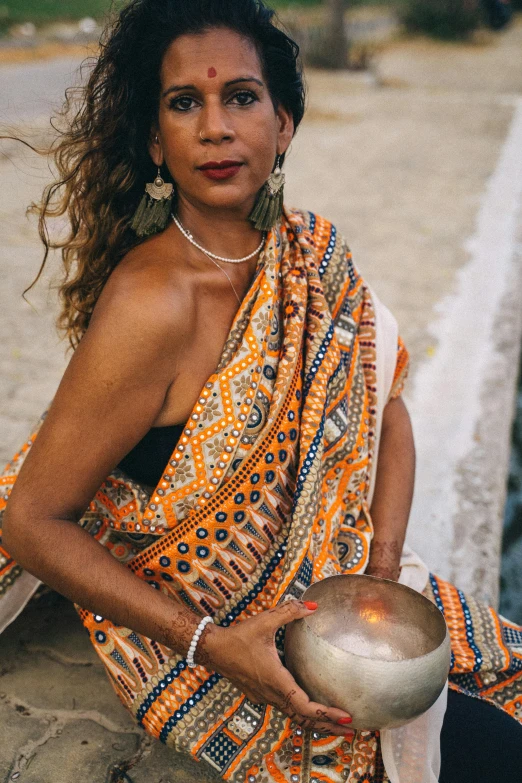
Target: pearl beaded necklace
191	239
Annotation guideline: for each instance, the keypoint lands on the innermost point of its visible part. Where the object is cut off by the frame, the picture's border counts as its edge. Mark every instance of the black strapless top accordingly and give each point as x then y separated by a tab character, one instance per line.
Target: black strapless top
146	462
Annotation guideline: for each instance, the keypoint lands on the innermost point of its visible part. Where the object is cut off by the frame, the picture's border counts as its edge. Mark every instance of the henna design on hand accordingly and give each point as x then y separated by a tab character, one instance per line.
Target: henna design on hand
179	633
287	700
381	550
202	655
323	716
384	560
285	704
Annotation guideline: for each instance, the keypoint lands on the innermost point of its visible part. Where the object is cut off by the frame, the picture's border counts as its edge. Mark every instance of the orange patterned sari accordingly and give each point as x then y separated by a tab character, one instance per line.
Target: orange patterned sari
265	493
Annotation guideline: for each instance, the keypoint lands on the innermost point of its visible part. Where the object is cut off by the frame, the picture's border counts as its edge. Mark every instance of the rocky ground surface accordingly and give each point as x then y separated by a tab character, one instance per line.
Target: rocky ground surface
400	159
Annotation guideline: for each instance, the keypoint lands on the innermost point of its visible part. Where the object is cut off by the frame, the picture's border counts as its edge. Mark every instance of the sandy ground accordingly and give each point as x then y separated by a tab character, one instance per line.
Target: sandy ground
401	160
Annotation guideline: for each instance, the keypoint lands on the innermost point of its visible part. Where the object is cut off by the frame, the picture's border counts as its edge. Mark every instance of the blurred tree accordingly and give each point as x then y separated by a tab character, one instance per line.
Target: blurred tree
498	13
442	18
336	43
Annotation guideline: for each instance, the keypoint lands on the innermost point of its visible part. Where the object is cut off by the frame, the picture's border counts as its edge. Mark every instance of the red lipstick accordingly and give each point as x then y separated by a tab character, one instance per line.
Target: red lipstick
223	169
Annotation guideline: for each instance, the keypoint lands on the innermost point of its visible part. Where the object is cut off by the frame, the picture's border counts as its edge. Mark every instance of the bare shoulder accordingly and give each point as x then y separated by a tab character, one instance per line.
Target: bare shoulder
139	325
146	291
144	314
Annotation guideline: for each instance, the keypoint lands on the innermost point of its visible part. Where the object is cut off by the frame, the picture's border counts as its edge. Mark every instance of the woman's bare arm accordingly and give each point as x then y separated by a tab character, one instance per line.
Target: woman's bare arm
393	494
110	395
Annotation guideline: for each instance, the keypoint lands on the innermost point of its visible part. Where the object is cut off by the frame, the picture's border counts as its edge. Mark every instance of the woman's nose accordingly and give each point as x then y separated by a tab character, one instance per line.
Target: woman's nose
215	125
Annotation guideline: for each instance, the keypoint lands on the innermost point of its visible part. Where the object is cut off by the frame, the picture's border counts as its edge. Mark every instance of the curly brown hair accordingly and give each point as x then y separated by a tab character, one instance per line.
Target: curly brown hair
101	152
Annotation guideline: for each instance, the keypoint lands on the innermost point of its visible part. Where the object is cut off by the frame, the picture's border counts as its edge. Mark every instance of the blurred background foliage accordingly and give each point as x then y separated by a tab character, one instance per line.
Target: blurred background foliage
45	11
41	11
449	19
443	18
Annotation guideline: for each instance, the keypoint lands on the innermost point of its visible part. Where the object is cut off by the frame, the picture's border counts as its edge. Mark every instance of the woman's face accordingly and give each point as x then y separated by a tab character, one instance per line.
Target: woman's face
215	106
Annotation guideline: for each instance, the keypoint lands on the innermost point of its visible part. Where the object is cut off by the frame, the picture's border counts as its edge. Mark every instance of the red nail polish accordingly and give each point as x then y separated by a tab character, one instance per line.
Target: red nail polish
343	721
311	604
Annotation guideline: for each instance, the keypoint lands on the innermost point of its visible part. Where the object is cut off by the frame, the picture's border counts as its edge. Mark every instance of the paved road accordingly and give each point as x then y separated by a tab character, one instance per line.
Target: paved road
33	89
421	174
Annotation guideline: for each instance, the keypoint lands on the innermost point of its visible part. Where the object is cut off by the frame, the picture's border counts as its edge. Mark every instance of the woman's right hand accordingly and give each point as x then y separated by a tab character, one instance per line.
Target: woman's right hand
246	655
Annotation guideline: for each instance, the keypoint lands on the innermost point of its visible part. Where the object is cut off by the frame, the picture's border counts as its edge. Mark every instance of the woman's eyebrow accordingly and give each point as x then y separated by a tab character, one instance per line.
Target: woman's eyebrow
176	87
244	79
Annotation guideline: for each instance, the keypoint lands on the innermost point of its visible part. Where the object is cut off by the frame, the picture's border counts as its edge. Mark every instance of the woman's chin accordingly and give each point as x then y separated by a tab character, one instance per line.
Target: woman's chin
231	201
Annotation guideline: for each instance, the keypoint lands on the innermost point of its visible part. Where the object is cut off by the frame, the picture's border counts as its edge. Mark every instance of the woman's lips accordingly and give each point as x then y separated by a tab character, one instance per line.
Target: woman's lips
221	171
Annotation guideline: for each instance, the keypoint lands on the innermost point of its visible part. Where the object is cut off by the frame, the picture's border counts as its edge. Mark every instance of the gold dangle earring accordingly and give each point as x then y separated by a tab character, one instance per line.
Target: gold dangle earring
154	208
268	205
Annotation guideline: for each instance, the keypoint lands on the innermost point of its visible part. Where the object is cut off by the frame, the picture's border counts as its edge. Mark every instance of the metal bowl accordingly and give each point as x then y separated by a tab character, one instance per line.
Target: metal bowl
373	647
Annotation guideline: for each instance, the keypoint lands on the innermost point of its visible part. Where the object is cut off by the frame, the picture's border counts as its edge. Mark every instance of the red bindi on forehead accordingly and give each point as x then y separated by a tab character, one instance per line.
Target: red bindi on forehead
211	72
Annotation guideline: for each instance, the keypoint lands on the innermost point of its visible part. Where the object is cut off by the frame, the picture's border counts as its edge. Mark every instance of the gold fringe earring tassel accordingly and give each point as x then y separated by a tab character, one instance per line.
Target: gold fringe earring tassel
154	208
268	206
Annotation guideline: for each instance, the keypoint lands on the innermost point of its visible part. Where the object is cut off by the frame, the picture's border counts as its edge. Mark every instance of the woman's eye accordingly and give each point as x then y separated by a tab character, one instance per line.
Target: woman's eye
184	102
245	94
181	103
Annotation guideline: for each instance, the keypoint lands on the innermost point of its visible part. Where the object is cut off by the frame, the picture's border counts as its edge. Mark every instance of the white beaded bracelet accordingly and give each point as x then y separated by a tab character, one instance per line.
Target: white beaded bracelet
195	640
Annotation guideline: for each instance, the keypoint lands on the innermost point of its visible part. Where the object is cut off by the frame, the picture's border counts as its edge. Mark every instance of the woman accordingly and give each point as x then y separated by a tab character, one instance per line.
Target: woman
226	394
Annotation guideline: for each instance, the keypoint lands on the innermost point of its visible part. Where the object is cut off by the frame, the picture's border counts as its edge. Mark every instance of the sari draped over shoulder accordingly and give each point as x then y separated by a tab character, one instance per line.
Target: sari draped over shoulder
267	491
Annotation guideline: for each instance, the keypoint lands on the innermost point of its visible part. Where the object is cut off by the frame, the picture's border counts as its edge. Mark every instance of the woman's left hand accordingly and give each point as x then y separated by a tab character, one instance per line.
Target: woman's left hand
385	560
